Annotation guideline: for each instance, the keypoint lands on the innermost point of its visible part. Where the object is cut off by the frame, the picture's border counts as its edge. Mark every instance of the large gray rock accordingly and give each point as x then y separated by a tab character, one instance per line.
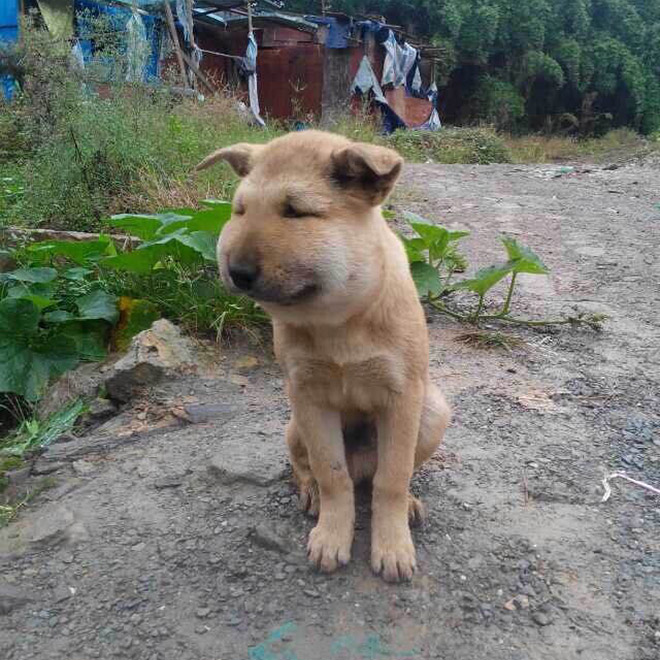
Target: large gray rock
82	382
154	353
52	525
259	462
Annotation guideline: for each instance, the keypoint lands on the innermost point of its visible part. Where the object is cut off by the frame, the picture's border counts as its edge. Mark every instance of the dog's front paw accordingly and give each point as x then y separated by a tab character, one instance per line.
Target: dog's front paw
393	553
330	546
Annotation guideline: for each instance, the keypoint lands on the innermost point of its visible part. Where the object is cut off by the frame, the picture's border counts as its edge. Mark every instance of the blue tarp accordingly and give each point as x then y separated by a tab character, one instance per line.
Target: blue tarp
339	31
8	33
119	18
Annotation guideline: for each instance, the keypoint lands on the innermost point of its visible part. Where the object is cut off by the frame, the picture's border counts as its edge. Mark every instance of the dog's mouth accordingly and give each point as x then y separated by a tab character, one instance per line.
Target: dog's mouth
302	294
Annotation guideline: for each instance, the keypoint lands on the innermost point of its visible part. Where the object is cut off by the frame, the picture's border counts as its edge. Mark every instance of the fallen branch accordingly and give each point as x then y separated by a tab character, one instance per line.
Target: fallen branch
12	236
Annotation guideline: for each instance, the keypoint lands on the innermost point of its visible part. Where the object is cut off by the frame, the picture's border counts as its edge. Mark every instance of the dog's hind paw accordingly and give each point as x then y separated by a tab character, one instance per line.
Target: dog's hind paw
309	498
416	510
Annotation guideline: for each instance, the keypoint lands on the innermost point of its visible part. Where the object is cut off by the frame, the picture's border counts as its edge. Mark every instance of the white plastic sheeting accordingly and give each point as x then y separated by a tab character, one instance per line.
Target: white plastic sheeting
365	81
137	48
251	66
399	60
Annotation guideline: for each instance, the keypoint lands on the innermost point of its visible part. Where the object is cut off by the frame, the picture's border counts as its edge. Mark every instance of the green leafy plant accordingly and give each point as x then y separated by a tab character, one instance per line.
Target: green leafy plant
435	259
34	434
433	256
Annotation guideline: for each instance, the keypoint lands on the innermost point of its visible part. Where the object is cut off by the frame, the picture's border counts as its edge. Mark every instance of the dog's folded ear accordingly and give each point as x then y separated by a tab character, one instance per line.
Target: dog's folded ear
367	170
240	156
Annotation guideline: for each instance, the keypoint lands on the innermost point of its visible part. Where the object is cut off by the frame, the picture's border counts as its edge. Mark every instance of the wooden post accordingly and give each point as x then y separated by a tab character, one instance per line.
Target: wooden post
175	42
249	13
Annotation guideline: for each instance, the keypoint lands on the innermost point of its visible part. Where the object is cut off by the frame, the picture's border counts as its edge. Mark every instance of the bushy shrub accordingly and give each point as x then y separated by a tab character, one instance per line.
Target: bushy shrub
451	145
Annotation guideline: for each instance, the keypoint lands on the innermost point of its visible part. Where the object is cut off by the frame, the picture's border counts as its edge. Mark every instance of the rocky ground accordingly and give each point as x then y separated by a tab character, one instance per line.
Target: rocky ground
172	530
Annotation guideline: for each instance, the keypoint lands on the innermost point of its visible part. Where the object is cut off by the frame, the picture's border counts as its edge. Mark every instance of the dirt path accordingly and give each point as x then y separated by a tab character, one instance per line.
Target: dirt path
185	543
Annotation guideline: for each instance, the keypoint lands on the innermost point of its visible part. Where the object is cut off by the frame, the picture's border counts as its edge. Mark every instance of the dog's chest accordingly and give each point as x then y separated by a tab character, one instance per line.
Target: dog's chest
365	384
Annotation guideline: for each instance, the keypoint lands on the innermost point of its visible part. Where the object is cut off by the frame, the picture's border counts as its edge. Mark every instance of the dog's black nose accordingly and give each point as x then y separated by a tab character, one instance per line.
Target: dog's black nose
243	274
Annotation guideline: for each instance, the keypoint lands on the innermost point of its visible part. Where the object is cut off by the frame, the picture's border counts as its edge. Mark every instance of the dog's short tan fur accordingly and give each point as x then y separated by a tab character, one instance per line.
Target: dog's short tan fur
308	241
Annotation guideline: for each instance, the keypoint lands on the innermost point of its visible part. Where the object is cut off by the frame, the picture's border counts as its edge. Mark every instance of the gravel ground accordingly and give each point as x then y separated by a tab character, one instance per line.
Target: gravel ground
181	538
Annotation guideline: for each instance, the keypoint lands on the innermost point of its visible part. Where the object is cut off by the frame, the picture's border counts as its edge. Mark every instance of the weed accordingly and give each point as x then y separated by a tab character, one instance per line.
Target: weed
9	510
451	145
489	340
434	259
33	434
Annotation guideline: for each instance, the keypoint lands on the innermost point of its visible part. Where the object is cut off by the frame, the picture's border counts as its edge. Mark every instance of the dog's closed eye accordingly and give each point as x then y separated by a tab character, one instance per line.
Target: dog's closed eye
290	211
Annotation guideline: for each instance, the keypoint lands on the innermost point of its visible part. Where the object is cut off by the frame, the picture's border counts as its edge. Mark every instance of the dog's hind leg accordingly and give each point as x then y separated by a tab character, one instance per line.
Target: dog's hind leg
434	422
302	472
436	416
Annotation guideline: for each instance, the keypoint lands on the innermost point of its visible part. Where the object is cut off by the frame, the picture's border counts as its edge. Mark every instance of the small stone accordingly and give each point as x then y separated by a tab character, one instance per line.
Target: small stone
202	612
239	380
169	481
83	468
312	593
62	593
11	598
101	408
43	467
521	601
266	536
246	363
50	526
200	413
541	618
261	464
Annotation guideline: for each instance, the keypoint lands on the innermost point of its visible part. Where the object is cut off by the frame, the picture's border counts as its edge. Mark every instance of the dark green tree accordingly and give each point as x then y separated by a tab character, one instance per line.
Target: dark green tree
583	65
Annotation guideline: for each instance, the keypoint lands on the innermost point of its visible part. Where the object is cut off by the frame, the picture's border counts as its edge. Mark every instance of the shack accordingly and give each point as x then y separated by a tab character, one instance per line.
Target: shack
289	66
321	66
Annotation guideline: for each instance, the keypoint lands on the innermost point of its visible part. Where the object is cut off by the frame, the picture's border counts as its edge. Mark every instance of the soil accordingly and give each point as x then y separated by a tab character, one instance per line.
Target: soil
175	533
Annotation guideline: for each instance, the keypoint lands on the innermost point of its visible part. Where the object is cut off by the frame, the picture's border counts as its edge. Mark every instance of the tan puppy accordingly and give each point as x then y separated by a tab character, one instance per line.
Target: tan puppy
307	240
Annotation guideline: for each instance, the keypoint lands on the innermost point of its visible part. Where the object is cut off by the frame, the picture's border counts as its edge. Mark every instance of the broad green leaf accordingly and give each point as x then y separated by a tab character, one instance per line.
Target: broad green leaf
90	338
77	273
485	279
414	248
33	275
432	234
217	204
18	317
415	218
522	258
30	357
202	241
211	220
98	304
80	252
58	316
141	261
142	226
458	234
426	278
37	293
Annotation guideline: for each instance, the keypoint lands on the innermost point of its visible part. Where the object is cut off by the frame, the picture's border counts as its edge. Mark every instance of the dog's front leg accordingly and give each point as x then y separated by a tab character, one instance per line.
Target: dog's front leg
330	541
392	549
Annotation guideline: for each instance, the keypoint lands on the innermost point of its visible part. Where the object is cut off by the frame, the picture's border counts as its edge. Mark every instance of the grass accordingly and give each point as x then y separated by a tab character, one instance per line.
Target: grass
33	434
484	340
621	142
11	508
451	146
194	299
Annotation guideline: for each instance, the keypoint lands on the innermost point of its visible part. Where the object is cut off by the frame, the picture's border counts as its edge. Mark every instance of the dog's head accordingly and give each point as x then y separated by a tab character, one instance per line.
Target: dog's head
304	239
